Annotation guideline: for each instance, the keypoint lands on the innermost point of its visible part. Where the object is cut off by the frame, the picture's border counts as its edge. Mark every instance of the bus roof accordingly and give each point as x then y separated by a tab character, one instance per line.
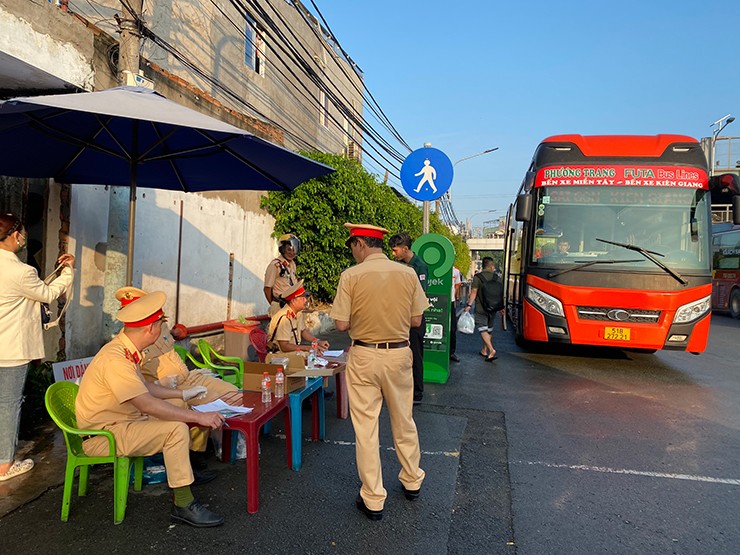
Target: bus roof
651	146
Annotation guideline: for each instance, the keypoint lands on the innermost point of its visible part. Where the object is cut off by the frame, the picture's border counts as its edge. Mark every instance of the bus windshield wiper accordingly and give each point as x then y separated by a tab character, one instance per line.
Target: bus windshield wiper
649	255
585	263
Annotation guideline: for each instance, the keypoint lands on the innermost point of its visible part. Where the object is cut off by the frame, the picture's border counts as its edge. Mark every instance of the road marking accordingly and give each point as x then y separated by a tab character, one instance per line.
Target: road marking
604	469
454	454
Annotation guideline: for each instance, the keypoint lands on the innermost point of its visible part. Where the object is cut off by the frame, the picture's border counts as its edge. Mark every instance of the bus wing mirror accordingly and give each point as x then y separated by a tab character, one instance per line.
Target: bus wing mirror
523	208
736	209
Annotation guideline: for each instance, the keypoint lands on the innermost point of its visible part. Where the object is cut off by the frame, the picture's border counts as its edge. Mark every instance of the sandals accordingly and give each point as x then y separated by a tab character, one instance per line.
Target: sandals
491	359
16	469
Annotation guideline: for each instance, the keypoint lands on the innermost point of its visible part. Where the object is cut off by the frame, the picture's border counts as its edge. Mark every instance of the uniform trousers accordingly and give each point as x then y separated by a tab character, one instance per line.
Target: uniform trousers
416	340
372	375
216	388
142	438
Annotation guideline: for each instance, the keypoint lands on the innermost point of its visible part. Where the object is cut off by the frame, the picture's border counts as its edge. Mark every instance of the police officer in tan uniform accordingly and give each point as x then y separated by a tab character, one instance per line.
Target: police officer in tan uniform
114	396
287	327
378	301
162	364
281	271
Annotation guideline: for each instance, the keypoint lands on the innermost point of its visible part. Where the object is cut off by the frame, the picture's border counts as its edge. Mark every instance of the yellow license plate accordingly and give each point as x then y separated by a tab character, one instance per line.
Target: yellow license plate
617	334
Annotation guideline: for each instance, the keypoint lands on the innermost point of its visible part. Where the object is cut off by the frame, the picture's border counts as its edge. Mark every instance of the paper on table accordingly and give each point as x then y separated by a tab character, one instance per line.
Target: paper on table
333	353
219	406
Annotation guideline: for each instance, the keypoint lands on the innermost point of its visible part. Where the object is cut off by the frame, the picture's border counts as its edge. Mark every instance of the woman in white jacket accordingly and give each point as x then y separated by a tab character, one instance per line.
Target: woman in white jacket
21	339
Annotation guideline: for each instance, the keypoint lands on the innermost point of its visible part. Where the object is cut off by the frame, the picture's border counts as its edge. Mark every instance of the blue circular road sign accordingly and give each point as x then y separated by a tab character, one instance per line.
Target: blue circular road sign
426	174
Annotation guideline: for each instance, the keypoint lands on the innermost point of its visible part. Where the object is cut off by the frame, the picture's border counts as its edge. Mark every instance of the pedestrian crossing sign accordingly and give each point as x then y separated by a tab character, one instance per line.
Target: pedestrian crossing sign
426	174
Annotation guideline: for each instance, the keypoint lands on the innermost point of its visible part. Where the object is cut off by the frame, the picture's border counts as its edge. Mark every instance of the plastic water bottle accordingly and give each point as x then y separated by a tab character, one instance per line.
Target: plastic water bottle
266	386
311	359
279	383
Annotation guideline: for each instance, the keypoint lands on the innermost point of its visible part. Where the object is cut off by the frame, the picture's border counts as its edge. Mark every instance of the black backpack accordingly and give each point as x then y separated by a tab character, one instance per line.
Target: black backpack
491	293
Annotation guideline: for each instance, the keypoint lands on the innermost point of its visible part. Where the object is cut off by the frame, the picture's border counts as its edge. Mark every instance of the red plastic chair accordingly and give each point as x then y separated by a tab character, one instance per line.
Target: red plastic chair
258	338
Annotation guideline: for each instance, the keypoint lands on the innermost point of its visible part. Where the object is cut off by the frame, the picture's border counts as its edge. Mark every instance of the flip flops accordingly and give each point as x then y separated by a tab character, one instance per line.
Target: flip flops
491	359
16	469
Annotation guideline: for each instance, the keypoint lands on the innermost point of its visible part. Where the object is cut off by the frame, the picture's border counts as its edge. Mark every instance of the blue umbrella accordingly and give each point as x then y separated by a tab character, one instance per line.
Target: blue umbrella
135	137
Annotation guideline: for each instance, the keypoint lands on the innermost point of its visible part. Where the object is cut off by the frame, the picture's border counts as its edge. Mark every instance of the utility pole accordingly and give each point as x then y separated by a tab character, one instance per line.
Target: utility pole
130	43
121	206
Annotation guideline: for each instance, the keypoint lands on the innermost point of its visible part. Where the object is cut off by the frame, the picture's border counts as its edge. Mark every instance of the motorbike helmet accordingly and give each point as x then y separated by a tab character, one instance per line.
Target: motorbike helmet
289	239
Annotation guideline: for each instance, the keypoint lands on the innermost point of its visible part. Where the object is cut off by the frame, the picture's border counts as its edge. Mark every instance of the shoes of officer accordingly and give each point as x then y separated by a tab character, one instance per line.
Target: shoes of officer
196	515
203	476
417	400
411	494
454	358
369	513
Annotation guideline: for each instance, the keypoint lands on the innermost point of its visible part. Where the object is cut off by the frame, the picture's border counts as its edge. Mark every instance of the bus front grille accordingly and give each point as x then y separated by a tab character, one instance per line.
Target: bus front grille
610	314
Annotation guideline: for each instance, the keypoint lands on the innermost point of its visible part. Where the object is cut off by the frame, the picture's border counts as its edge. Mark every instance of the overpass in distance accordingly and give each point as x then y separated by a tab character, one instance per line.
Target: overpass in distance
492	244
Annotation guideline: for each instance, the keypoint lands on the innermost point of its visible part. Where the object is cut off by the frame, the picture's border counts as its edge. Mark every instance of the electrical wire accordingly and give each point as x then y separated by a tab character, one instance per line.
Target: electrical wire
295	55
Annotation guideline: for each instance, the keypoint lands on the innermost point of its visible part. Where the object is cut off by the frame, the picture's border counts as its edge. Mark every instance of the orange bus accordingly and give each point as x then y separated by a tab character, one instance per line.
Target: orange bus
608	244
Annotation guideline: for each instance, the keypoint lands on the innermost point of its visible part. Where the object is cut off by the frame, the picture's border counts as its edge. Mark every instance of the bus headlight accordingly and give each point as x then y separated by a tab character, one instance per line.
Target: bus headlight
546	302
692	311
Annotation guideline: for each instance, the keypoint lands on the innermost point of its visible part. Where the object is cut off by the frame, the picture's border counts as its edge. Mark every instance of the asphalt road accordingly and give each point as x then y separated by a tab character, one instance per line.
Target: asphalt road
583	451
619	452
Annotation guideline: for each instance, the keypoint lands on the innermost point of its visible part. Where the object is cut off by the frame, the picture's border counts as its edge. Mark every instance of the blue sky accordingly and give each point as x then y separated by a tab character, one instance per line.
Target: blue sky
471	75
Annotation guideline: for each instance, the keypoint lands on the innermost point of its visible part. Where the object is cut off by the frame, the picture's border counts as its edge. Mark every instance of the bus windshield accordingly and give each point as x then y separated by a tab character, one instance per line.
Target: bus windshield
670	222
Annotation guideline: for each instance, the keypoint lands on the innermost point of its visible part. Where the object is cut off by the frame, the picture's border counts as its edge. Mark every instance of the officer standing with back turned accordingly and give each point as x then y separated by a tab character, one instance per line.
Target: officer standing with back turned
378	301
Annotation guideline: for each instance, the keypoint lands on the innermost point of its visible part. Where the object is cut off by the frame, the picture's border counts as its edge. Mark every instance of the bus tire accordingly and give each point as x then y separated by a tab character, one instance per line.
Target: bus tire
734	303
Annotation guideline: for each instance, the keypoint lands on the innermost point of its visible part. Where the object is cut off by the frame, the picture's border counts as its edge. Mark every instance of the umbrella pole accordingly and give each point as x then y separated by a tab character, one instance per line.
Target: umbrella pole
131	223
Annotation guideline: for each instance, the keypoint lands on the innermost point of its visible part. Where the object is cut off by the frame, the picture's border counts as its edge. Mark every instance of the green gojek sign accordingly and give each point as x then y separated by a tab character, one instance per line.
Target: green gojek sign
439	254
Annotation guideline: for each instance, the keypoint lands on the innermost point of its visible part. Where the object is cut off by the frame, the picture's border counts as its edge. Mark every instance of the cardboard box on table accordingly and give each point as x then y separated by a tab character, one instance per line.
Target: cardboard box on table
253	372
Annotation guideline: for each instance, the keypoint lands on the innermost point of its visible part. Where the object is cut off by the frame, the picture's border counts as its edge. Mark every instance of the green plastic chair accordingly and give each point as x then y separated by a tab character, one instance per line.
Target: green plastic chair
187	356
232	372
60	402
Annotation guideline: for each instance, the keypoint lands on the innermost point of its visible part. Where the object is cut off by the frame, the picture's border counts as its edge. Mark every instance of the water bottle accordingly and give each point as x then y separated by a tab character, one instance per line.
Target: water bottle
279	383
311	359
266	394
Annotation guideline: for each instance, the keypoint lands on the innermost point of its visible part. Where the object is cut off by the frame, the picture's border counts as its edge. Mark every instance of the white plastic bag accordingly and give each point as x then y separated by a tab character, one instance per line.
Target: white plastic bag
466	323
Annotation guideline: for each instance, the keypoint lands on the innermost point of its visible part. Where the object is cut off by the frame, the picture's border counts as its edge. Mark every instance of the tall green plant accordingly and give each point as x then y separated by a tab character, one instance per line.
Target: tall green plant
316	210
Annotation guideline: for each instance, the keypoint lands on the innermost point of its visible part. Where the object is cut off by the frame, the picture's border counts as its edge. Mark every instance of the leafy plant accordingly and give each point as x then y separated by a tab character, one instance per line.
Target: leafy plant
316	210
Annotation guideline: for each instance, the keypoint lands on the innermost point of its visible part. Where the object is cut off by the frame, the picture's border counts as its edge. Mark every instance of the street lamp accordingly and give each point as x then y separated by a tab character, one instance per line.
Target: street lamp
473	215
474	155
721	123
448	196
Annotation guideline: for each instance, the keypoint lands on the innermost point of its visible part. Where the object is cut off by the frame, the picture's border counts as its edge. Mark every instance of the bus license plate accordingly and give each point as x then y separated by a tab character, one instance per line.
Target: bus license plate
617	334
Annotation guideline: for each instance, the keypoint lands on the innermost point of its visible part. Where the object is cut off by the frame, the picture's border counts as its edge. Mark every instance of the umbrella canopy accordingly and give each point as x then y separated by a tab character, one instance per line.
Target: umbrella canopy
99	137
135	137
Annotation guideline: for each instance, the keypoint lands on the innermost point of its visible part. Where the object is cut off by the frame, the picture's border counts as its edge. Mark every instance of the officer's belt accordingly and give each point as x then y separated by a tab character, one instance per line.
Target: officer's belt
389	345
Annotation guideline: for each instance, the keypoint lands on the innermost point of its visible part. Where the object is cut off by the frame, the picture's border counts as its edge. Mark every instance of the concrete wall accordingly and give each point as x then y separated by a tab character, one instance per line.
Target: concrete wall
213	227
47	40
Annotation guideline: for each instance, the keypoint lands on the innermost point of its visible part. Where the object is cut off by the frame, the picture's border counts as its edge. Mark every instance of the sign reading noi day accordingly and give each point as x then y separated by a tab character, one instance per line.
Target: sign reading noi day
623	176
70	370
